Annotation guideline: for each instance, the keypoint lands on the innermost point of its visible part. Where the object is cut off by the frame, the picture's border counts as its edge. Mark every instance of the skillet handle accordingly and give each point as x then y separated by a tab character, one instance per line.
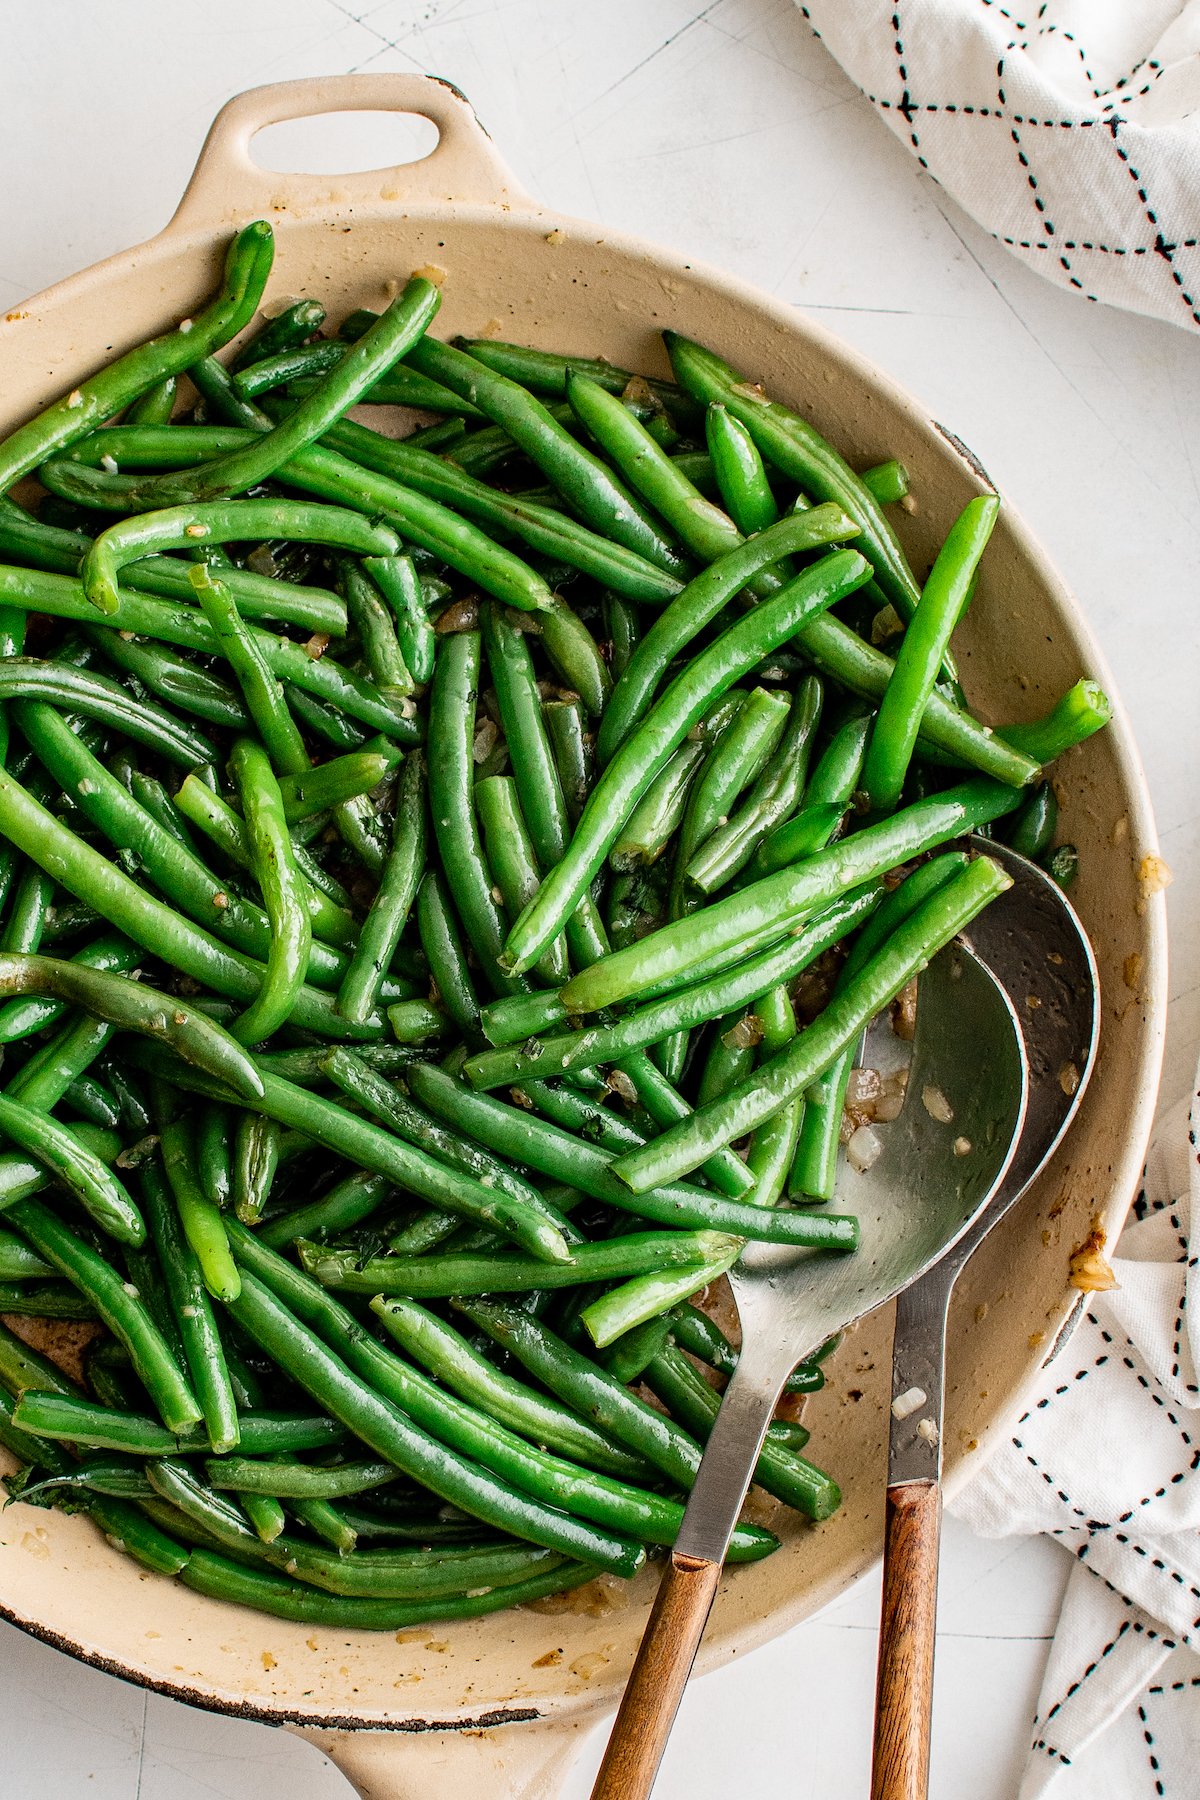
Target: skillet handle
228	187
907	1635
519	1762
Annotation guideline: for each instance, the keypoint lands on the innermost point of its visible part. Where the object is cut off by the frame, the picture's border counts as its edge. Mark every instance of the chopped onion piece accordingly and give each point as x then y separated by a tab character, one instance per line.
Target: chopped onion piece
909	1402
936	1104
485	741
864	1084
890	1103
745	1034
618	1082
864	1149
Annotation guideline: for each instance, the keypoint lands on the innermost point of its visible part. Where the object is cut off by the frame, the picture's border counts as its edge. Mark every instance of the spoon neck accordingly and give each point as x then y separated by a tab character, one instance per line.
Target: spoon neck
732	1450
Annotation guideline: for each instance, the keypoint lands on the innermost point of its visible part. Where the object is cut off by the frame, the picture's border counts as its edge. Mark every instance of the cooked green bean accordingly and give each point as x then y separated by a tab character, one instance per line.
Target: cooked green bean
383	927
700	603
452	807
247	265
738	468
439	1277
1031	830
760	914
1082	711
656	817
681	1009
645	751
511	859
285	331
184	684
175	869
347	1203
922	652
227	829
546	372
414	1021
200	1217
400	585
120	1309
814	1171
886	482
94	696
156	405
219	522
775	794
63	1415
275	870
197	1327
790	1071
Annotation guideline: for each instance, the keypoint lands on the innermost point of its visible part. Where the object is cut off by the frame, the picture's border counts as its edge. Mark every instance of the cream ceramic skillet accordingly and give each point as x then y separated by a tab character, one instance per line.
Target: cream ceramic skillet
492	1706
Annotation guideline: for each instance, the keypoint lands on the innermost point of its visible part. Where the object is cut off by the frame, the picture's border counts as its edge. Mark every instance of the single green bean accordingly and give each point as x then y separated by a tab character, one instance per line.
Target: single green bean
740	476
443	947
278	878
397	580
383	927
439	1277
1032	829
346	1204
1083	710
197	1327
201	1219
923	650
156	405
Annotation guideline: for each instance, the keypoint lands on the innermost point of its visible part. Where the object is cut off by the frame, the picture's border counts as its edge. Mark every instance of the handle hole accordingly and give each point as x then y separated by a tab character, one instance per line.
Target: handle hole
344	143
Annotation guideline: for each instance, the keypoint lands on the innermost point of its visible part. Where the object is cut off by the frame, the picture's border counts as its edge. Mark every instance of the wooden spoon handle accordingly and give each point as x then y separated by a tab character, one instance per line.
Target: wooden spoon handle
907	1633
660	1674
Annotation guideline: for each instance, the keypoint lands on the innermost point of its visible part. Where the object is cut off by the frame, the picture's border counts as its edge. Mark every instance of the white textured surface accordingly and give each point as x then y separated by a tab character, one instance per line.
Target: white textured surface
724	130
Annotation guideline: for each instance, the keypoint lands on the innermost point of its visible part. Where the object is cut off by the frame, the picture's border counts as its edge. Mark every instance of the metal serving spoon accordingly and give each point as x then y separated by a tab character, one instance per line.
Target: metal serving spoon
917	1198
1032	941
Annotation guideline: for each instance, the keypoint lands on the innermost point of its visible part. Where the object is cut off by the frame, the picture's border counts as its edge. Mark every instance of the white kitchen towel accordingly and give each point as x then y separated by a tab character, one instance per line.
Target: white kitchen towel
1105	1460
1069	129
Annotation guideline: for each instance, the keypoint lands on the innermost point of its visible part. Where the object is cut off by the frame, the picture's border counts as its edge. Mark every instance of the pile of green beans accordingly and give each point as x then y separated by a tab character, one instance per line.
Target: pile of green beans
444	878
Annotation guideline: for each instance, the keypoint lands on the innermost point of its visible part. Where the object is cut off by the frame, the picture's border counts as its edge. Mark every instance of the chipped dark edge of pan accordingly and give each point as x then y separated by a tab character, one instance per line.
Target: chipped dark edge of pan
262	1714
967	454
